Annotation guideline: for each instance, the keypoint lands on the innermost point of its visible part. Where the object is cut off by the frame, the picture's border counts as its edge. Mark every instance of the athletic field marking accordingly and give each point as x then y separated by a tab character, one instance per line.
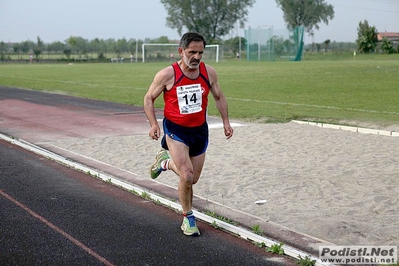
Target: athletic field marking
349	128
220	125
215	125
57	229
315	106
229	98
73	82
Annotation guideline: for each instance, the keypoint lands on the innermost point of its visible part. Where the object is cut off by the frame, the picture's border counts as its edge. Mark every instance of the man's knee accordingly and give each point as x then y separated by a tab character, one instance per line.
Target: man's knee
195	179
187	176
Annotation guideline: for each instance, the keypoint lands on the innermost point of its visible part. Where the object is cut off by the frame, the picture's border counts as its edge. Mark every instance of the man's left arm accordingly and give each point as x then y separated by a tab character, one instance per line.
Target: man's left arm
221	102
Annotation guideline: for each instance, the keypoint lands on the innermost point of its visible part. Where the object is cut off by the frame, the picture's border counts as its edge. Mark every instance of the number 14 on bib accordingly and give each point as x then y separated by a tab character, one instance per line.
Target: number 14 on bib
189	98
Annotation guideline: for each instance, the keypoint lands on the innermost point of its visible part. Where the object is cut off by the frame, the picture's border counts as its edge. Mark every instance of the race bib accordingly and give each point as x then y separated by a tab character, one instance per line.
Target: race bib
190	98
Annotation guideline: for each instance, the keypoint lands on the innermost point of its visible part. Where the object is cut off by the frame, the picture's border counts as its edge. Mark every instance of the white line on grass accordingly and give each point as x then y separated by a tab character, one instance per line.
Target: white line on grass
74	83
315	106
229	98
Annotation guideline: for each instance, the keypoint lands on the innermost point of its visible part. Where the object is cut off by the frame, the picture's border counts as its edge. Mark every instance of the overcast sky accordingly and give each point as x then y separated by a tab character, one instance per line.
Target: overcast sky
57	20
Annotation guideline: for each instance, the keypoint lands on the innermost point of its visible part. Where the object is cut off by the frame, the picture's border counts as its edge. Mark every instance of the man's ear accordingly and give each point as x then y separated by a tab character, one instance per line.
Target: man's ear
180	50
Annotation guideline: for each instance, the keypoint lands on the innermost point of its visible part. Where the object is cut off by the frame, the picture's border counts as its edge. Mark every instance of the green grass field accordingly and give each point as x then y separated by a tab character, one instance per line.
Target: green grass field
355	92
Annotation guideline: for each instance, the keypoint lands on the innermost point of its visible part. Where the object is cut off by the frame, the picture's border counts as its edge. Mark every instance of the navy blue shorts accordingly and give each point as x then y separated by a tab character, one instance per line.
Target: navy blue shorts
195	138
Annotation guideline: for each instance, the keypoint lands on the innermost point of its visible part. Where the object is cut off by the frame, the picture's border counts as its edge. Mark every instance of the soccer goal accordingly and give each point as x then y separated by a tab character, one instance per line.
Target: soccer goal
156	52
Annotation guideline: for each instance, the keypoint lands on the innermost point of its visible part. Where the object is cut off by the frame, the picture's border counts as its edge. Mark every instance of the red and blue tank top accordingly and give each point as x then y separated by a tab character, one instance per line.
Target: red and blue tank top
186	102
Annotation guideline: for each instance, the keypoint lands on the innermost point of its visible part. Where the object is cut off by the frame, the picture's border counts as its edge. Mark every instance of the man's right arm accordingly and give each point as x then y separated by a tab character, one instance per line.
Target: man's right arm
157	86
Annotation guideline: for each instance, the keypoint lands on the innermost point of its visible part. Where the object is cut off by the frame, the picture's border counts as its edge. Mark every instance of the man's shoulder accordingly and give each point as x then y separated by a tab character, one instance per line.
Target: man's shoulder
166	72
208	66
211	70
165	76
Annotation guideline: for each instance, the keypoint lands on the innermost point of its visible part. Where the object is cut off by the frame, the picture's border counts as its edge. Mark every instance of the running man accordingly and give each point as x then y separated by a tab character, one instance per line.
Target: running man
185	86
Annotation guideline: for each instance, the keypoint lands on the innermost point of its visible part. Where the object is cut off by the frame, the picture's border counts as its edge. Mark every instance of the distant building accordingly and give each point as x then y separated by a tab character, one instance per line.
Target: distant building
391	36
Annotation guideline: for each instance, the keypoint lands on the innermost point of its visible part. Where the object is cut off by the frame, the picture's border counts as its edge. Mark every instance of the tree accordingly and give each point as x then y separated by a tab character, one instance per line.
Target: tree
367	37
109	45
67	53
26	46
94	46
212	18
55	47
318	47
327	43
387	46
2	47
16	47
73	42
233	44
279	45
120	46
307	13
78	44
39	47
102	49
82	45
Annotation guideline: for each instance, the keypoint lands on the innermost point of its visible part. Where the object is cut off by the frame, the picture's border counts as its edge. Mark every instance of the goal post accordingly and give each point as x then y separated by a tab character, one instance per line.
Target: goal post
217	50
167	51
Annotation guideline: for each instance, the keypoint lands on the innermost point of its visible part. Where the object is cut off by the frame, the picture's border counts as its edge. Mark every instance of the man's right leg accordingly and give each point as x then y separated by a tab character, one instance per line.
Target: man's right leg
156	168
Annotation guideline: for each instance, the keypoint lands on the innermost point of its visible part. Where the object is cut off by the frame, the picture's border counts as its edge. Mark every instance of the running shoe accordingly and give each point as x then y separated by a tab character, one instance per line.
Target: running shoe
156	168
189	226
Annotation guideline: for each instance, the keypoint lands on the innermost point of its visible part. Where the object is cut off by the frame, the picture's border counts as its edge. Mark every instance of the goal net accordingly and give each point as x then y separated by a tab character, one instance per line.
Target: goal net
266	44
158	52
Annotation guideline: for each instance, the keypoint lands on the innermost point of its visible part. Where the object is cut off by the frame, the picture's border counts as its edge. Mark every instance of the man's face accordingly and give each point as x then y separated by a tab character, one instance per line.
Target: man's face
192	55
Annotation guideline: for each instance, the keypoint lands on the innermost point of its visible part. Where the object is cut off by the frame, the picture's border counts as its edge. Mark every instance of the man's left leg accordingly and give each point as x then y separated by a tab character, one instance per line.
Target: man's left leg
186	191
189	170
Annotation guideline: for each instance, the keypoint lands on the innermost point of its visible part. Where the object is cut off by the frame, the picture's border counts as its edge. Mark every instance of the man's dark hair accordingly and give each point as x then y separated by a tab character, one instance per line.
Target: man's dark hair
189	37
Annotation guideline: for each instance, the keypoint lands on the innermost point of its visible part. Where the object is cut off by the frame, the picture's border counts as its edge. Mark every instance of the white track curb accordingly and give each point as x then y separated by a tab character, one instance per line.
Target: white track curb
348	128
243	233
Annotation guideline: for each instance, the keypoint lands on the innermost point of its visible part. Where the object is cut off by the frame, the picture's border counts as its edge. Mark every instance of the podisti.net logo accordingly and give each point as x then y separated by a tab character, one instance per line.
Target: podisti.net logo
358	254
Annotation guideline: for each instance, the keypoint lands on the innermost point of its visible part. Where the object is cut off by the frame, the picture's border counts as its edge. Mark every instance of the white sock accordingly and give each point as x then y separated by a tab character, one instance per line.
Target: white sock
165	164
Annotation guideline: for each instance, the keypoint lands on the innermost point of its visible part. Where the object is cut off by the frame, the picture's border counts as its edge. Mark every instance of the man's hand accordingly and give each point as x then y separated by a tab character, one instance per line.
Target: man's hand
228	131
155	132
